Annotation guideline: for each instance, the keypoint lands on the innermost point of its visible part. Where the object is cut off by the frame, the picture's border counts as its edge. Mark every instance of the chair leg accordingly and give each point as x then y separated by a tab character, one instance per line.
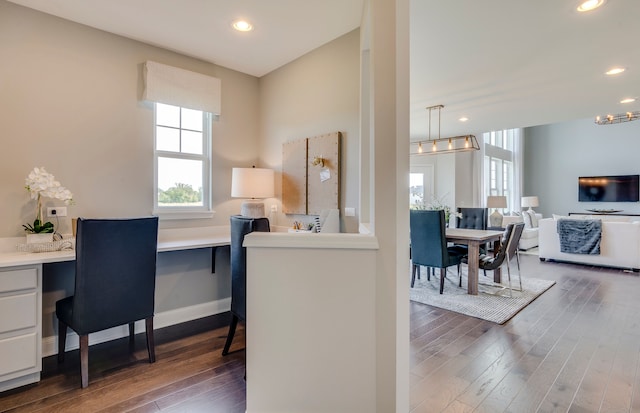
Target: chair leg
519	273
84	361
428	273
459	275
151	345
443	275
413	275
132	336
509	274
232	332
62	340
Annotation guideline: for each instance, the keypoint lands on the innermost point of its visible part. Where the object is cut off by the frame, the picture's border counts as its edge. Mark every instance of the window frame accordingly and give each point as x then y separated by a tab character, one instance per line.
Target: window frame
185	212
499	151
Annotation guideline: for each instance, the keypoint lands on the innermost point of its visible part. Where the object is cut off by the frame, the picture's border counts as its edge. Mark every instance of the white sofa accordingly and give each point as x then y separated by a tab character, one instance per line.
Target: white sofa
529	238
619	244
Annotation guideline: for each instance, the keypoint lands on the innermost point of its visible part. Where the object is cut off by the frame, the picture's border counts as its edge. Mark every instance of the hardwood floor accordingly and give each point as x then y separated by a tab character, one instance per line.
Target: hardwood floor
189	374
574	349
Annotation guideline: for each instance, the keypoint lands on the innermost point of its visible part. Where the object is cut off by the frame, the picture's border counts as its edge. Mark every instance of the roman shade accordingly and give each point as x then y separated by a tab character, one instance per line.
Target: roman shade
179	87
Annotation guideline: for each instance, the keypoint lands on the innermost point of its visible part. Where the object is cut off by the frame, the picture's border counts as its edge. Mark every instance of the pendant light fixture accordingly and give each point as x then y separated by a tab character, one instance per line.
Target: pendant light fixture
619	118
445	145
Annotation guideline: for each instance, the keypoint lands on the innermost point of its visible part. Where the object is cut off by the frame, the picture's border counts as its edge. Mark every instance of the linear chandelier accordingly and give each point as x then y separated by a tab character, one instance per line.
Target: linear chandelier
619	118
444	145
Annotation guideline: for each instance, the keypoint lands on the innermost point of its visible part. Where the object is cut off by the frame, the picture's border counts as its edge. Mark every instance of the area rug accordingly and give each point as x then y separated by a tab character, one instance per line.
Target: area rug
491	304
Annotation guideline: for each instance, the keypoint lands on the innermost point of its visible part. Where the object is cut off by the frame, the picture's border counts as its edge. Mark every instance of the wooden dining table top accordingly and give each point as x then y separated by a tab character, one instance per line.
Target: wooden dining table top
467	234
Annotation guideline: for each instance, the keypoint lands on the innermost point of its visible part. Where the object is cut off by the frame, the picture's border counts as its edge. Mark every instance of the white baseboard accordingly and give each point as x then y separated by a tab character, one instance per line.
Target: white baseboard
160	320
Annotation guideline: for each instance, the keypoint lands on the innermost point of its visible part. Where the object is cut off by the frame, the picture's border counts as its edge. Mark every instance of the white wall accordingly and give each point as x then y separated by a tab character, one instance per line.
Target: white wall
314	95
556	155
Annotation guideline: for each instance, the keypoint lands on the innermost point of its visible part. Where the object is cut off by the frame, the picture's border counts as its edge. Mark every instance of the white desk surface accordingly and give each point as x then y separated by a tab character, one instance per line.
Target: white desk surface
168	240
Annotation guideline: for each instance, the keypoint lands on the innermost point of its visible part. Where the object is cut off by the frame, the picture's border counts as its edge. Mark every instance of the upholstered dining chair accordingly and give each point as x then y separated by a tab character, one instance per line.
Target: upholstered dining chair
240	226
474	218
507	250
114	282
471	218
429	244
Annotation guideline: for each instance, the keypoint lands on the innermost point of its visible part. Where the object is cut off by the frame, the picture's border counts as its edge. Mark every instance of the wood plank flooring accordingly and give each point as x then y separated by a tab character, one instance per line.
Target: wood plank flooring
575	349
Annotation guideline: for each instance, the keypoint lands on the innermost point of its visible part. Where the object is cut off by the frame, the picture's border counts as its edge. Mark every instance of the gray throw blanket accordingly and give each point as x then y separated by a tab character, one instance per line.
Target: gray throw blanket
580	236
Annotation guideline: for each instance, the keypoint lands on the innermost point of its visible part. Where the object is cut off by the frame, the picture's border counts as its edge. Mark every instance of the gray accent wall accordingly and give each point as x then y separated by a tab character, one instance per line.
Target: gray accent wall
556	155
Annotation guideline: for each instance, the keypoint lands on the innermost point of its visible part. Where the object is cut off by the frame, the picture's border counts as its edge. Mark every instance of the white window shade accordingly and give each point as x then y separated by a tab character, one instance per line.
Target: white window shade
179	87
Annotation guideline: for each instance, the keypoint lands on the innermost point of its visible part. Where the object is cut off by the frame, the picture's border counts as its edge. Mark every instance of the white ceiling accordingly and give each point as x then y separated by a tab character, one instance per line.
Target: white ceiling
501	63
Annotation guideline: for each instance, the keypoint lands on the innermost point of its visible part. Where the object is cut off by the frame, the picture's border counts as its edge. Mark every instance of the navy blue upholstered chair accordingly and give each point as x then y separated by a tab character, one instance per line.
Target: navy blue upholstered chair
240	226
471	218
429	244
474	218
114	282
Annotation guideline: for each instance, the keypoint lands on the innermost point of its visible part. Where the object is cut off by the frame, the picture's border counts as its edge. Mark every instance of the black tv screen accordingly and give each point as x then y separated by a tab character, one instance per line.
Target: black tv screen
621	188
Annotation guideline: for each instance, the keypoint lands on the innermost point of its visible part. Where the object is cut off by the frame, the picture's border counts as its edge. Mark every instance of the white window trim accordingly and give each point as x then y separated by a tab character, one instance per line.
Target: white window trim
181	213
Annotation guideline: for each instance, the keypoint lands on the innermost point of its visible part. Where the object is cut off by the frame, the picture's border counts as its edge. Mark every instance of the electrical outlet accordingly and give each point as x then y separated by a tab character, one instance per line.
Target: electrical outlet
274	208
56	212
349	212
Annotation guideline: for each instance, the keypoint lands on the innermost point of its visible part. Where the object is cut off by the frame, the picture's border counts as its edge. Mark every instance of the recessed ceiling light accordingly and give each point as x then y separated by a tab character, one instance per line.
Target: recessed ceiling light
615	71
242	26
463	119
589	5
628	100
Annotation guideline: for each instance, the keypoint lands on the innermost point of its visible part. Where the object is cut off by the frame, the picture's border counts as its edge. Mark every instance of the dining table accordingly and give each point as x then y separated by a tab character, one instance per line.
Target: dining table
473	238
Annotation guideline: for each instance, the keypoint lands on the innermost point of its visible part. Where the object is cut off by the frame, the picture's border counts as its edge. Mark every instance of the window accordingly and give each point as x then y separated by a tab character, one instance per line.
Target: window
182	161
500	165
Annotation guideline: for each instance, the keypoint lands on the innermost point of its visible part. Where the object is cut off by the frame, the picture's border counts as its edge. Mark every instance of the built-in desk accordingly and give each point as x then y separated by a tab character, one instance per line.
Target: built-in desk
21	297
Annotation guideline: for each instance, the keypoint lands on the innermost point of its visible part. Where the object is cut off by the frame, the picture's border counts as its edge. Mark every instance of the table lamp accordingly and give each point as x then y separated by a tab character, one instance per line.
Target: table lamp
253	184
495	219
529	201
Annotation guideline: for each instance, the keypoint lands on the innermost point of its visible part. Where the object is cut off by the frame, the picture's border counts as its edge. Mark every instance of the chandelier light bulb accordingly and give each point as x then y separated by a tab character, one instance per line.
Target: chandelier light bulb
419	147
434	148
450	145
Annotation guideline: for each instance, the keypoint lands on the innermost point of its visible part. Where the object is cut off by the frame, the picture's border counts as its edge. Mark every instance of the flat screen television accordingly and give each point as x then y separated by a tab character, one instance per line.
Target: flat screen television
621	188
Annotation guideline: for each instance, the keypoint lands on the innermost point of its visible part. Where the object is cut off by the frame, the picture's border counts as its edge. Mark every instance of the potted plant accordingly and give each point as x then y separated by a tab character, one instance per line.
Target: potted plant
42	184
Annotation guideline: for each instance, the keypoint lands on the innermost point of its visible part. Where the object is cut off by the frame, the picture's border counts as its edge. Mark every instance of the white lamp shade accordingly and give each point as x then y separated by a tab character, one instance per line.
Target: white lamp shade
529	201
496	202
252	183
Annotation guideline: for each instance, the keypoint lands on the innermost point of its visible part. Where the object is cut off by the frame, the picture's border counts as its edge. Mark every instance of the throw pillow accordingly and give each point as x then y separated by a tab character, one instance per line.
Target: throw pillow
526	217
534	219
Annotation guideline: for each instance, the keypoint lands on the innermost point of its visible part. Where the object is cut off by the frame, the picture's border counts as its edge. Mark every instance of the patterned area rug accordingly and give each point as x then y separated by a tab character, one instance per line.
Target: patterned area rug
491	304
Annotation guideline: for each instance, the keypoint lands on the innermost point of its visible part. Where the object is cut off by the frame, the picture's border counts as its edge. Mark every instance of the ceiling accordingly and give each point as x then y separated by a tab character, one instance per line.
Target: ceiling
502	64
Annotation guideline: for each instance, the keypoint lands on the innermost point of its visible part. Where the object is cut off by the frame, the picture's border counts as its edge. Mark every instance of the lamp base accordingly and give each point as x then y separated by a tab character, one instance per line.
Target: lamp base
495	219
252	209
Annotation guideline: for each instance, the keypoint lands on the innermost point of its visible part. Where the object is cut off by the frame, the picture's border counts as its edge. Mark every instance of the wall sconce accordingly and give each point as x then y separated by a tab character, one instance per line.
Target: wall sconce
253	183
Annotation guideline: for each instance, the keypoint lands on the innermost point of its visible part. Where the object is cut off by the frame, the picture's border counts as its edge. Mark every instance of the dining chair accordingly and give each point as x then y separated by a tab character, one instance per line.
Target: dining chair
429	244
507	250
240	226
471	218
114	282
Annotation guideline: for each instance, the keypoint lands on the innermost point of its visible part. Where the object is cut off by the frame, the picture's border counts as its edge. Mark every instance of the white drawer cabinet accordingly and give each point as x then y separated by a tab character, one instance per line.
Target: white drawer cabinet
20	325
